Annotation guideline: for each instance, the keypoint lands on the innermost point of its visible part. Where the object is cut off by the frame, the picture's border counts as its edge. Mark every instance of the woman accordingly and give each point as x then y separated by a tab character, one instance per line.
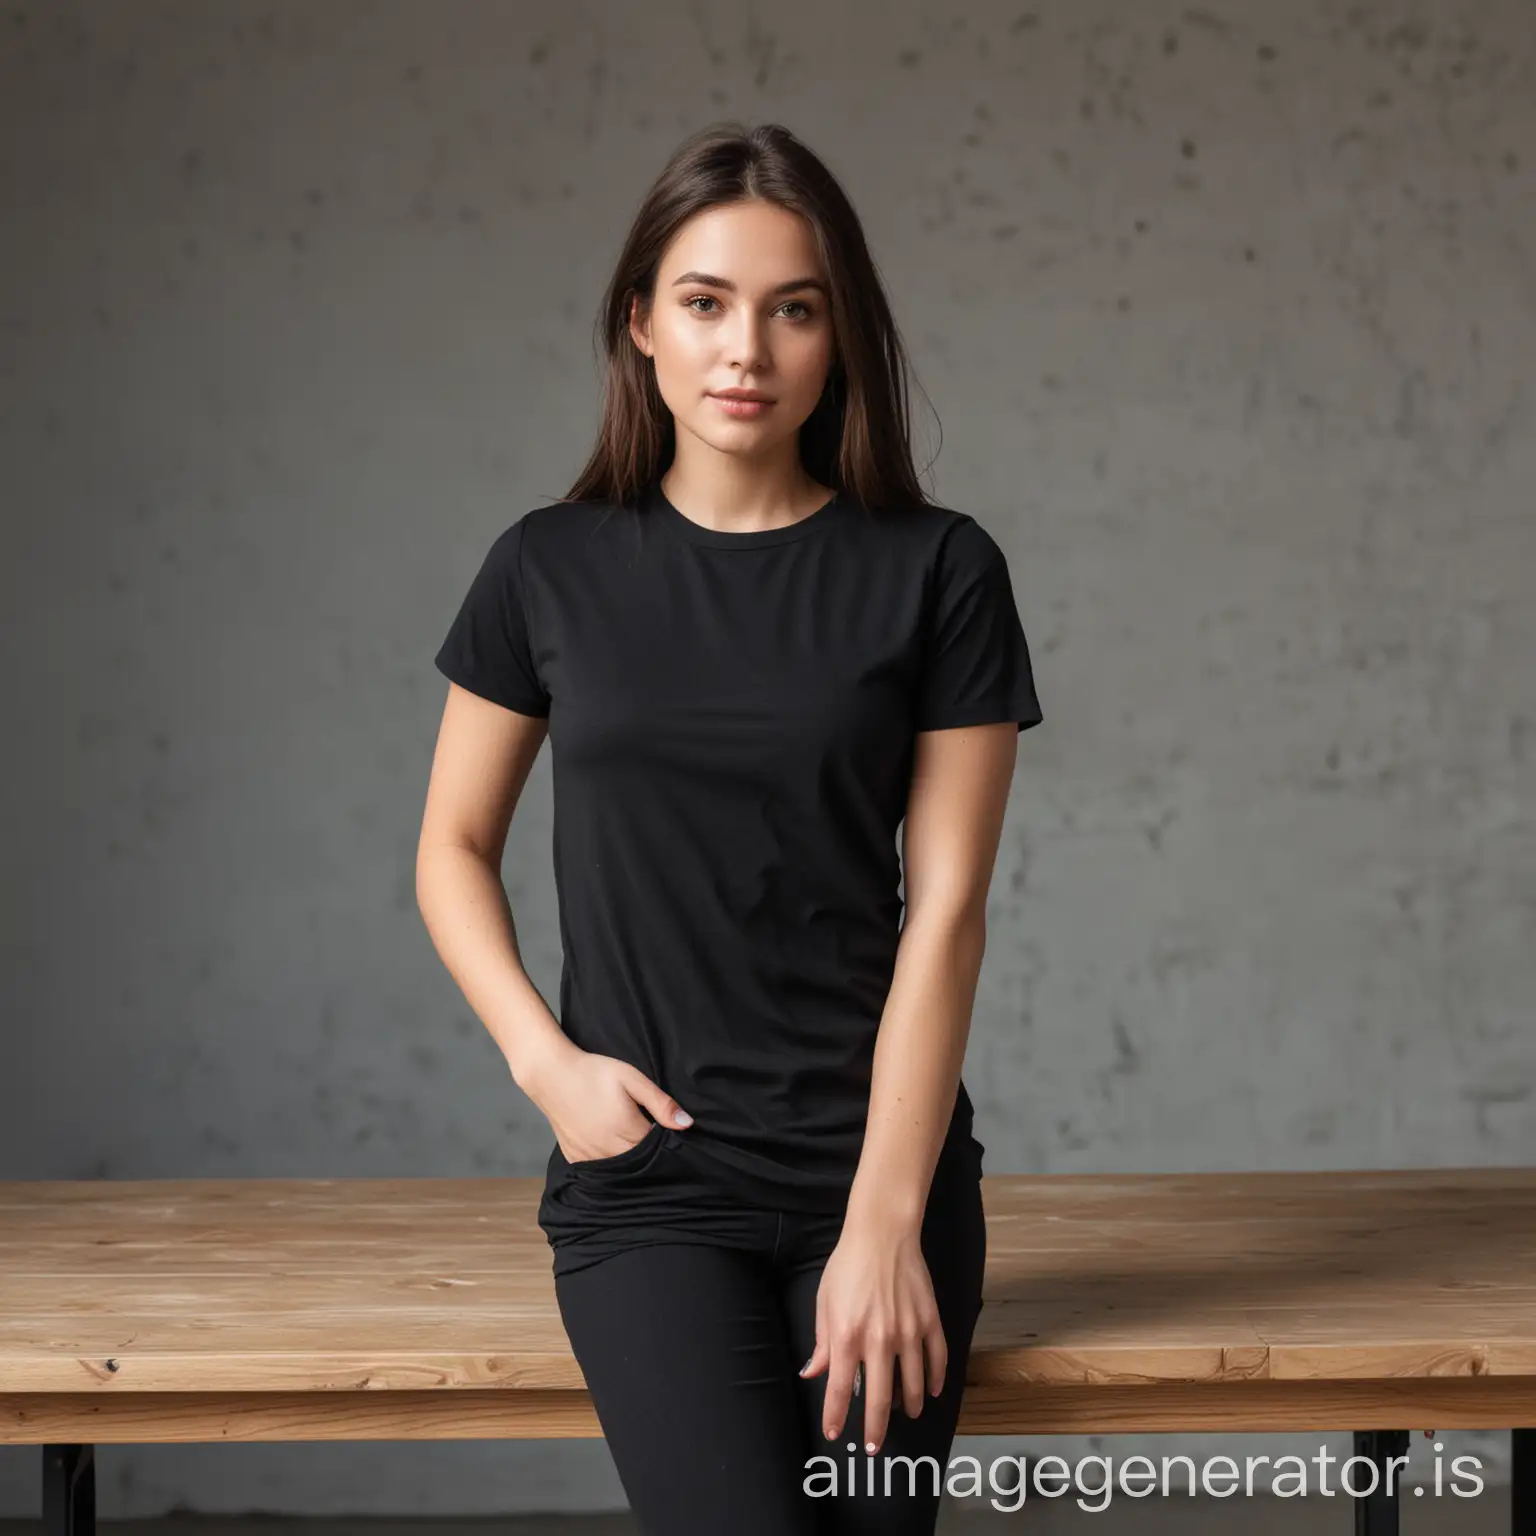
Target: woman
756	648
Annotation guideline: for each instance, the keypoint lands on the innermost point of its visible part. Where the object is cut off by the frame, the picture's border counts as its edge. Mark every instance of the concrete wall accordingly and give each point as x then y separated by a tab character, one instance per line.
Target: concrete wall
1228	314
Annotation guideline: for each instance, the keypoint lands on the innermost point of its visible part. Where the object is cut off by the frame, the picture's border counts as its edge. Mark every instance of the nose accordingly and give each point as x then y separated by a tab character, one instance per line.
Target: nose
746	345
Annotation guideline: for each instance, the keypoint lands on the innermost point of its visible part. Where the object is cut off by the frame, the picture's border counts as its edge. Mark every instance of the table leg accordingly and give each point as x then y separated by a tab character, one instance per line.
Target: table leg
1522	1477
69	1490
1376	1512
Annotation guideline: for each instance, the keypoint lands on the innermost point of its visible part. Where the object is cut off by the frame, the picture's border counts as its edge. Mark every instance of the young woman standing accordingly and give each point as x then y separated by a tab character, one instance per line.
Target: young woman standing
757	651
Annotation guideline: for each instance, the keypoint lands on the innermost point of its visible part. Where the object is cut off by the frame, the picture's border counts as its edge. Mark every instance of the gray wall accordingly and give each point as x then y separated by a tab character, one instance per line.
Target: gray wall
1229	316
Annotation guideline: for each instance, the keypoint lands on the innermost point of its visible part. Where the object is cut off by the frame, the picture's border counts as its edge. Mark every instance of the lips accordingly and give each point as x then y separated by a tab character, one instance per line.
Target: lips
733	405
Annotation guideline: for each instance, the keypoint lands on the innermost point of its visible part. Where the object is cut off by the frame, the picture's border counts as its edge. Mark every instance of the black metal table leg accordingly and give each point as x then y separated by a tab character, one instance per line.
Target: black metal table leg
69	1490
1376	1512
1522	1480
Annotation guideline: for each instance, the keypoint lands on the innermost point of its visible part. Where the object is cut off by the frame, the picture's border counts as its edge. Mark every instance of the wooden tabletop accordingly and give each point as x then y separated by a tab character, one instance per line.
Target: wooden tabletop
406	1308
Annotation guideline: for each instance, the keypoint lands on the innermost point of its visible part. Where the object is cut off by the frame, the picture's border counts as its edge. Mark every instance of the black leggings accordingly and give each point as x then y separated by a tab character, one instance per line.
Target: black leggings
691	1339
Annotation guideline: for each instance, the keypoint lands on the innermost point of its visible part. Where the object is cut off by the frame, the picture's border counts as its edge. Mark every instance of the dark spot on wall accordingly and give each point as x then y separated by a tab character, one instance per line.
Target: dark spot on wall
1482	1097
1170	44
1511	161
1410	36
1187	148
909	58
1248	254
1267	53
1022	23
1519	738
1153	831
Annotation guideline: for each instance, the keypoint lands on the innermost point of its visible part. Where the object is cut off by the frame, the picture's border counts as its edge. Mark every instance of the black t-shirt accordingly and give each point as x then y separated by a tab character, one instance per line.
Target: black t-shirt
731	722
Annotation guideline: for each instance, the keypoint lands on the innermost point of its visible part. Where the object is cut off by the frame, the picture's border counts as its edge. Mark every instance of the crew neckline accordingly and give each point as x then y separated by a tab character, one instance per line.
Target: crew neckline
721	538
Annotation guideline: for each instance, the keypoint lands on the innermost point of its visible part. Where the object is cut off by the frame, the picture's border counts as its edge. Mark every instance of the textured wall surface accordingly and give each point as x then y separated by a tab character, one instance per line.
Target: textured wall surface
1228	313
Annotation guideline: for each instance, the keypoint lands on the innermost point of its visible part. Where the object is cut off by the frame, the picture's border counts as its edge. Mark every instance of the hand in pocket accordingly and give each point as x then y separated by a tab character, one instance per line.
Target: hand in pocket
596	1105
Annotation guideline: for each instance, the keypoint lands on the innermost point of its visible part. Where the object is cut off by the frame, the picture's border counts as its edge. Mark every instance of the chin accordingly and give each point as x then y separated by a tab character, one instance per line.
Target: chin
735	436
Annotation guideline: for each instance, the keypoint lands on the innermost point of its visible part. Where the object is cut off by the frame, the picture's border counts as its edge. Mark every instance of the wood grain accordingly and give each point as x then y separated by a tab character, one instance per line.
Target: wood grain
424	1308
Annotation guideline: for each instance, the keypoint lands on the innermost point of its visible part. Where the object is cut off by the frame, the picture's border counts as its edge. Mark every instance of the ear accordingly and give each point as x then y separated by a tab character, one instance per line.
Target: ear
639	325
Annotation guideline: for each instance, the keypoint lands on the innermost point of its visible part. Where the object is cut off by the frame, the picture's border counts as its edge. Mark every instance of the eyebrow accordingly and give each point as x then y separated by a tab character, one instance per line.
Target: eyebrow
704	280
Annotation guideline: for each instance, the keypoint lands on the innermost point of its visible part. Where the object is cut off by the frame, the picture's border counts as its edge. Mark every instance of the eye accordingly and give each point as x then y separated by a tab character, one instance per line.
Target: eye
706	298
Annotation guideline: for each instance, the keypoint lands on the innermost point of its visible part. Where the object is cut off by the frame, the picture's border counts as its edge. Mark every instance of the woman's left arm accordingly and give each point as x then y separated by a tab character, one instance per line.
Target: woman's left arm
876	1299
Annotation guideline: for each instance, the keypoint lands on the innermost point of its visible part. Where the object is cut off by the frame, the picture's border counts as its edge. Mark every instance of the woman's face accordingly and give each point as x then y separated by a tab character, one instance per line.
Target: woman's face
740	303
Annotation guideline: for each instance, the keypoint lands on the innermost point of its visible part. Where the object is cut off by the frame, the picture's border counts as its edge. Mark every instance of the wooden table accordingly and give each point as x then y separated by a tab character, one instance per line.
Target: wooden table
360	1309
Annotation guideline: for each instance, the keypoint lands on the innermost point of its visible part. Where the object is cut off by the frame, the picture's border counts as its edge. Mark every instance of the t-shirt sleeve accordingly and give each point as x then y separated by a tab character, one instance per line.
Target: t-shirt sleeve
976	666
488	648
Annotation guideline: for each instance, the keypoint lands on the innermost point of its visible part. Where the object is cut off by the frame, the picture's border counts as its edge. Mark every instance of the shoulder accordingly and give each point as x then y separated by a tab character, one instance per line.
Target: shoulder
552	530
946	539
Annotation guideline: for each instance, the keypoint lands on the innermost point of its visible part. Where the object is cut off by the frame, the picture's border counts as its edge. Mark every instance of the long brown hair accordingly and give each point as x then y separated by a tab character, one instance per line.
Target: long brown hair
858	438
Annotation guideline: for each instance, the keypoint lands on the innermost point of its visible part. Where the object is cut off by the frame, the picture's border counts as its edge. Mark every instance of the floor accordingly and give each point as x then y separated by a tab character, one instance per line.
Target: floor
1486	1515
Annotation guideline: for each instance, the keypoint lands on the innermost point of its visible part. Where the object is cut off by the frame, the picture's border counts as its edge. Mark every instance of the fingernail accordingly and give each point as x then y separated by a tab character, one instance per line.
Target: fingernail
869	1445
804	1368
682	1117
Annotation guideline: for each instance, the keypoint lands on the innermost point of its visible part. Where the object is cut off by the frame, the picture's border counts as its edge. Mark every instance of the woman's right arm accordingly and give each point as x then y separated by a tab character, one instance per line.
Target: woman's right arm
483	757
484	754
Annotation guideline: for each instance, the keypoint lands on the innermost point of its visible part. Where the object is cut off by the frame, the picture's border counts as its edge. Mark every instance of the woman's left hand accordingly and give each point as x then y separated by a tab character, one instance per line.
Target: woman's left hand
875	1304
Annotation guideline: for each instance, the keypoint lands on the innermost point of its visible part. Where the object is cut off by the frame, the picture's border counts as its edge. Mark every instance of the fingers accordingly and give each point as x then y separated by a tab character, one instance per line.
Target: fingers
938	1357
912	1377
858	1368
877	1397
863	1350
818	1361
664	1109
839	1393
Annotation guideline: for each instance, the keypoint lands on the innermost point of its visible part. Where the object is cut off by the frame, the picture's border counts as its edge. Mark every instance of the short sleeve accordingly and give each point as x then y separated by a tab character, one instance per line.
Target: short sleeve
976	666
488	649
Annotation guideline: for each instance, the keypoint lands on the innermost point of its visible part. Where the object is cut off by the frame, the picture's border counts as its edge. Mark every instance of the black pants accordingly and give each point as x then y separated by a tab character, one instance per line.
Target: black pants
691	1337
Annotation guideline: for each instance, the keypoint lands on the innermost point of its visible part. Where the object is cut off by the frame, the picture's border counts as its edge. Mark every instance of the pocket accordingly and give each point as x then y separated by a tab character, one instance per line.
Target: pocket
626	1158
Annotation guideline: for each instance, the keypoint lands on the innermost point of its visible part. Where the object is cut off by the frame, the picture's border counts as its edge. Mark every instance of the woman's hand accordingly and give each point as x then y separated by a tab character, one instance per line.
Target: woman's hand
875	1304
593	1104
